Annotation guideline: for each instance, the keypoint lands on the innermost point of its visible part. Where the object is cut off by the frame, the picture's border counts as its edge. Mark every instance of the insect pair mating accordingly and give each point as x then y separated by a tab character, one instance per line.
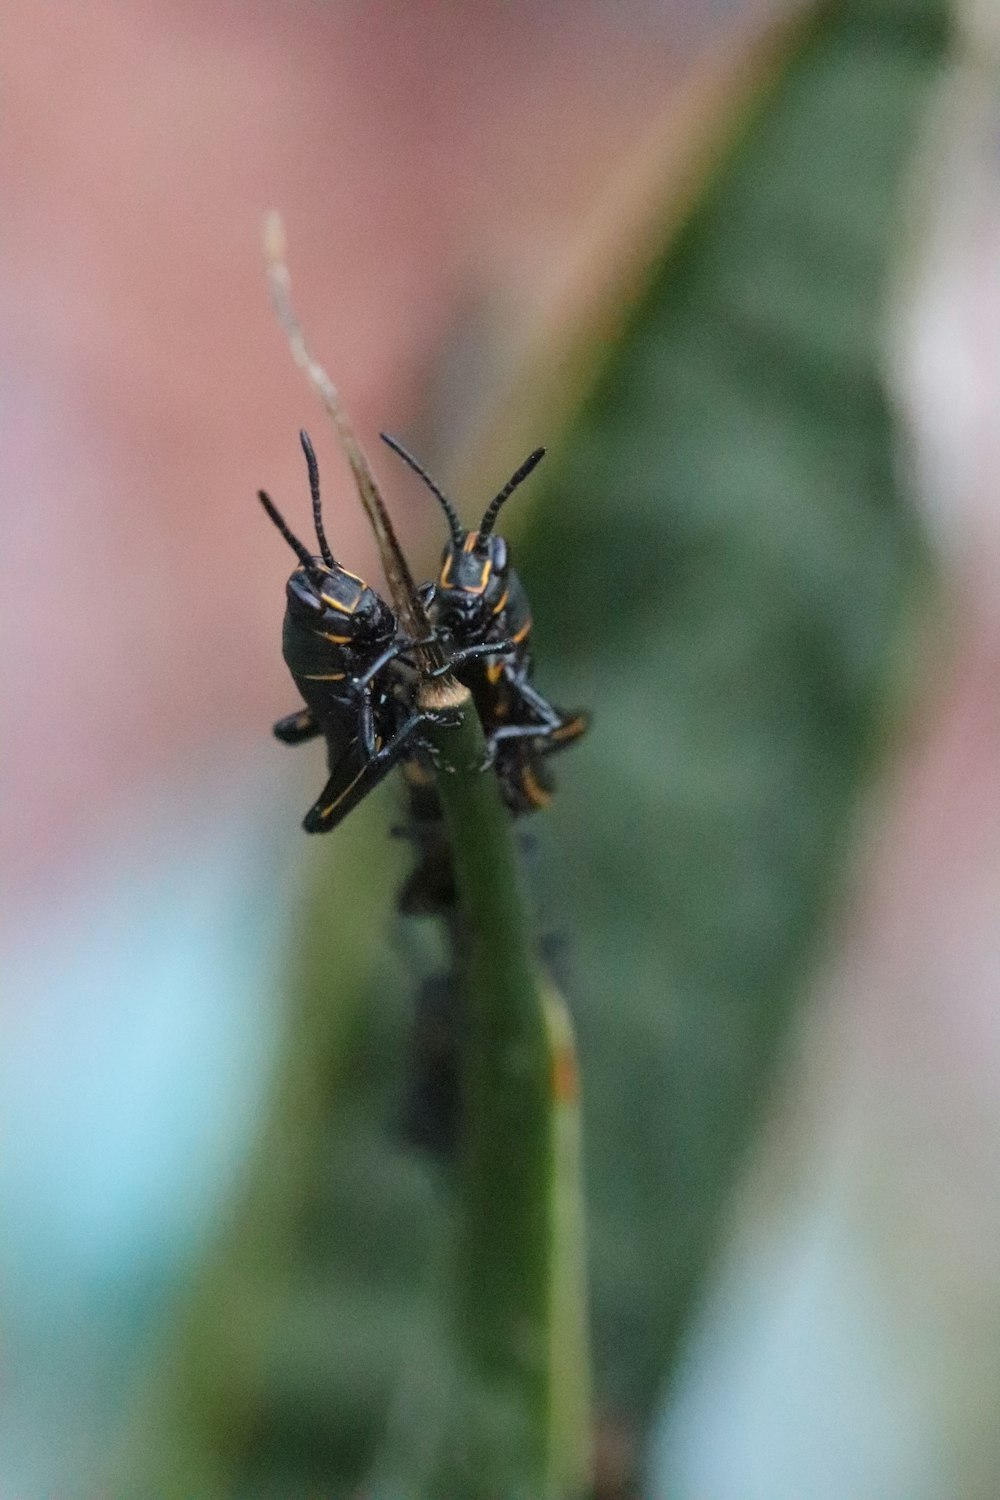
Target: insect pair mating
358	678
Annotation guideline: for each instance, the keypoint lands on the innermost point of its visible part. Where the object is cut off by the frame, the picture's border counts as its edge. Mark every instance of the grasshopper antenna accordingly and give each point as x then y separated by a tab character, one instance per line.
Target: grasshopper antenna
457	534
305	558
491	512
313	467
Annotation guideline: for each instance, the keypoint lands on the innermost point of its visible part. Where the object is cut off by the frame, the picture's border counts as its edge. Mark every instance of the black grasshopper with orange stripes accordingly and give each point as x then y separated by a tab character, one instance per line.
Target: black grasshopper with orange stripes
341	644
481	617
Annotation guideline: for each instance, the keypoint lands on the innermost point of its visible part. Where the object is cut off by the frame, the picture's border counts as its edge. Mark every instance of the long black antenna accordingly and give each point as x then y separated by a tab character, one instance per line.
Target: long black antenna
457	533
519	475
313	467
304	557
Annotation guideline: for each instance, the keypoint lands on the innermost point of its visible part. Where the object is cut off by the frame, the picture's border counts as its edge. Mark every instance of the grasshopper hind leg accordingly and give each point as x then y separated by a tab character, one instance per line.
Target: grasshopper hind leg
355	775
349	783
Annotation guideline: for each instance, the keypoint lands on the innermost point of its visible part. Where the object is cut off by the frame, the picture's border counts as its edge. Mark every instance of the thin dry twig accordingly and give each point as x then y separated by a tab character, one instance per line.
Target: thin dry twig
409	609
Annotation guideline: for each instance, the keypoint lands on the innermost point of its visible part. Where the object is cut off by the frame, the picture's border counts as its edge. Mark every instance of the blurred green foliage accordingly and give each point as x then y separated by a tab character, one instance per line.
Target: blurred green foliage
720	564
734	559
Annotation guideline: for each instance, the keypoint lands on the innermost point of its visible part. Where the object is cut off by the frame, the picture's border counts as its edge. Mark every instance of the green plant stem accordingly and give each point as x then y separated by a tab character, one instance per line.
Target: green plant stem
511	1433
518	1429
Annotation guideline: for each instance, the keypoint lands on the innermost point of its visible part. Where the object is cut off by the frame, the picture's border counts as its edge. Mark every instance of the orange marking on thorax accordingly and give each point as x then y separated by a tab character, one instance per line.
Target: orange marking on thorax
502	603
523	632
445	582
345	609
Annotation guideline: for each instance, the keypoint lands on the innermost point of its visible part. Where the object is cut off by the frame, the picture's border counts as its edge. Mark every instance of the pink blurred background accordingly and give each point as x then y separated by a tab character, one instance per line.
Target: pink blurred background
429	160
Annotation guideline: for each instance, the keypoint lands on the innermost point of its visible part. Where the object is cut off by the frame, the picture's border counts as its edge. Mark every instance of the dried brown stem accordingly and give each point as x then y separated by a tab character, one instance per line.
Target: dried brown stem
409	609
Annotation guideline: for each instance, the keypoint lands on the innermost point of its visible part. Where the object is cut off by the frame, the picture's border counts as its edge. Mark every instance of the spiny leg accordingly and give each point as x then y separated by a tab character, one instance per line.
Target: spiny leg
400	645
533	699
470	653
549	737
364	683
548	722
507	733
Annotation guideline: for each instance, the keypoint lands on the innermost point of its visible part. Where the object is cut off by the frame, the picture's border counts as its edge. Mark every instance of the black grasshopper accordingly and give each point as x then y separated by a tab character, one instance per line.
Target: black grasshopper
341	644
480	614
